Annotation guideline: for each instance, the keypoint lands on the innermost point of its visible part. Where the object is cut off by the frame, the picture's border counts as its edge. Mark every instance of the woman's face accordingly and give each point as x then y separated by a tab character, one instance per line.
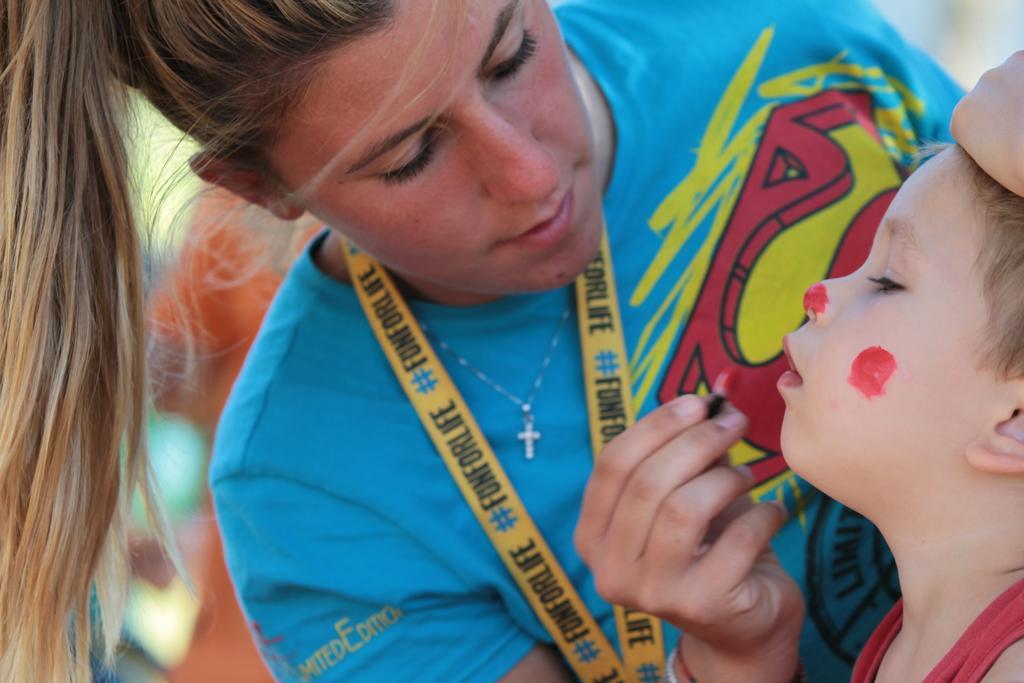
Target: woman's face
475	175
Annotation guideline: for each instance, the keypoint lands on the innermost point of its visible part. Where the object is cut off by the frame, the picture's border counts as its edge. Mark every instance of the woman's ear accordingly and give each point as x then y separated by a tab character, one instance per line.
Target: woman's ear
251	185
1001	451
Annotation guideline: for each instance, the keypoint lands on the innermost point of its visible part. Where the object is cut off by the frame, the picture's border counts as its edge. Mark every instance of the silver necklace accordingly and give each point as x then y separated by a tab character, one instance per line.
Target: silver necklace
529	436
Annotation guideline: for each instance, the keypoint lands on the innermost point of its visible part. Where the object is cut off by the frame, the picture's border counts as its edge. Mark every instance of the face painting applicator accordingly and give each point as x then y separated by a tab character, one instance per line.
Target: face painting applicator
724	385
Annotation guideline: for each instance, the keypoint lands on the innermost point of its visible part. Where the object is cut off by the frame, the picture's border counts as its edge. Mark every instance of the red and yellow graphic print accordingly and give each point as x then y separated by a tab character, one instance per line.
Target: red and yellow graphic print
777	202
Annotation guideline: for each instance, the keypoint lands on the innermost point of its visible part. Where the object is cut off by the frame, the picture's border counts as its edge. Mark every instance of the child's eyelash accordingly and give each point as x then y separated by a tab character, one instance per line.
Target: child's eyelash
886	285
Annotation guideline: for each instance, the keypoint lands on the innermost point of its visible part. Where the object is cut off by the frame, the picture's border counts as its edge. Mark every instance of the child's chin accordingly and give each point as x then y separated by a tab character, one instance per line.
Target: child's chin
800	456
791	442
809	465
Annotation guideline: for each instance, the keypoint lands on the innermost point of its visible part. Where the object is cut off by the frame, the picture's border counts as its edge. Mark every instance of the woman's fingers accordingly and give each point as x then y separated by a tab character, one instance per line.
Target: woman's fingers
987	123
725	569
666	527
676	515
616	464
653	479
706	498
679	530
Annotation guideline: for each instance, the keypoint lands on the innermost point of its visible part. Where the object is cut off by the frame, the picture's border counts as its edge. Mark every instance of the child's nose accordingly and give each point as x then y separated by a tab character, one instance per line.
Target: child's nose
817	302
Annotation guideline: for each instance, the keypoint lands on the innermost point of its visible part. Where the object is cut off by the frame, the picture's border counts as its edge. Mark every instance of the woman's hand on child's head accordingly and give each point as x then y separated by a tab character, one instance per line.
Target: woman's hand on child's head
667	528
989	124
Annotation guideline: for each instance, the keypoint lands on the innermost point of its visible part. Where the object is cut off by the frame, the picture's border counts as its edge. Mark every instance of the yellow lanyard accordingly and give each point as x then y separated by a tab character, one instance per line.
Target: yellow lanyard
483	482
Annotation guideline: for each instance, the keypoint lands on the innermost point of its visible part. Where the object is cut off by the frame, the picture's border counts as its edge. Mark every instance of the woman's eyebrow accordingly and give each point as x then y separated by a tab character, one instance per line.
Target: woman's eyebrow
501	24
388	144
500	27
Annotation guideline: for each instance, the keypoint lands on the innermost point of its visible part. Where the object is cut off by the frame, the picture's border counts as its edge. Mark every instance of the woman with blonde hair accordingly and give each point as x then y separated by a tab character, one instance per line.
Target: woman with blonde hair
466	163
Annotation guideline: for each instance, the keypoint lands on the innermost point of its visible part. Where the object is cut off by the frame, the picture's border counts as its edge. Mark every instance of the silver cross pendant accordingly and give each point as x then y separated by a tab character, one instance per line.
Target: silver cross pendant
528	436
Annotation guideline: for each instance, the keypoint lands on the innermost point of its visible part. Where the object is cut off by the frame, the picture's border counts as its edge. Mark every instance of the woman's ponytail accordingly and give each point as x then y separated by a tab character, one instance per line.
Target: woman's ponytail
72	378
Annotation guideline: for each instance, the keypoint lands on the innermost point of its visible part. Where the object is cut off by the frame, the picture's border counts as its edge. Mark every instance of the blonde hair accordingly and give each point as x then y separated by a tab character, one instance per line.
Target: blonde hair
72	380
1001	262
1000	259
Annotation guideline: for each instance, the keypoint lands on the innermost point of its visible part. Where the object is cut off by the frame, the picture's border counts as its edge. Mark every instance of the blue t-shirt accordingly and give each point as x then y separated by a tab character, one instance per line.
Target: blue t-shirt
765	138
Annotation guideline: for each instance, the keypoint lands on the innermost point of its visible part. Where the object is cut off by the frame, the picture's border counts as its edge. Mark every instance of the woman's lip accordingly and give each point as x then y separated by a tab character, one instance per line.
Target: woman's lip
549	232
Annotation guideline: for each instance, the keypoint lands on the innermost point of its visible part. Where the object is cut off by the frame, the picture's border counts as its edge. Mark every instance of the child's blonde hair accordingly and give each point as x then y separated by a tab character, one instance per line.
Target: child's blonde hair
1000	262
72	376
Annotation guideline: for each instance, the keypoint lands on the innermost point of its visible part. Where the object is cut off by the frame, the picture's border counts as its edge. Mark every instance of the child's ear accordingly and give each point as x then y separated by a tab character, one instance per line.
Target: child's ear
1000	451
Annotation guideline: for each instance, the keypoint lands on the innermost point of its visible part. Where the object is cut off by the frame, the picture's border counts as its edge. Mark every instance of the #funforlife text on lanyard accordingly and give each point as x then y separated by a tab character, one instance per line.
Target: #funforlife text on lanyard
483	482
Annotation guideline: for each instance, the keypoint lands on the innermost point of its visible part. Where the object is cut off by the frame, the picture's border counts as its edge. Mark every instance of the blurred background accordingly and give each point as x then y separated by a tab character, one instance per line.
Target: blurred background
169	637
965	36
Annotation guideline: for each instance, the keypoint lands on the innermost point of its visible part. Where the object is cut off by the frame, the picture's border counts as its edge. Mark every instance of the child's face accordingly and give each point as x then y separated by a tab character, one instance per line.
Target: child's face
891	386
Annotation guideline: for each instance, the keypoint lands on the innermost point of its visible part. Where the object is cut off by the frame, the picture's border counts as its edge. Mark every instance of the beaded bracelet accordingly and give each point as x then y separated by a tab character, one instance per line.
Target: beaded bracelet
670	667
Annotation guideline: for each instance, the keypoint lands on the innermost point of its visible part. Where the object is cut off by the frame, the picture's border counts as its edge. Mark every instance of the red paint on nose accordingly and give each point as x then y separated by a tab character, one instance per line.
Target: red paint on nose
871	371
816	299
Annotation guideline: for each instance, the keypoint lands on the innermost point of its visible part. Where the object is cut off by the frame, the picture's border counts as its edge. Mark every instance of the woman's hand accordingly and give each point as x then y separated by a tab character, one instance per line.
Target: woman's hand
667	528
989	123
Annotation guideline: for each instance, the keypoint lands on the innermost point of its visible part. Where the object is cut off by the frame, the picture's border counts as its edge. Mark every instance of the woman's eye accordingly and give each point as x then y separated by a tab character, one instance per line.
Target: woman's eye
508	69
885	285
502	72
412	169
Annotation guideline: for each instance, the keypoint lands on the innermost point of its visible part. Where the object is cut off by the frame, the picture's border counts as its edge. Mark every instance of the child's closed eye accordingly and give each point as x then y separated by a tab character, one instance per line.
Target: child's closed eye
886	285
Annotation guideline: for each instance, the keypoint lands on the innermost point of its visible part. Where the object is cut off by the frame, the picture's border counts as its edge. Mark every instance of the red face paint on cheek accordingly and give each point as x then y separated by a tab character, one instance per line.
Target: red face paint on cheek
871	371
816	299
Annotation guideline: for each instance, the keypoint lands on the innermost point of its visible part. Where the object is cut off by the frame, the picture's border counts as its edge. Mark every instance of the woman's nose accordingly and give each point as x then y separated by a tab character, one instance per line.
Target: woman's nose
523	171
515	167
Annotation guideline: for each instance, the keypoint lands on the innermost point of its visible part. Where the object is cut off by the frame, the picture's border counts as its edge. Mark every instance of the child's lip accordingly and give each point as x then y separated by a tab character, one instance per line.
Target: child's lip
789	356
790	379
